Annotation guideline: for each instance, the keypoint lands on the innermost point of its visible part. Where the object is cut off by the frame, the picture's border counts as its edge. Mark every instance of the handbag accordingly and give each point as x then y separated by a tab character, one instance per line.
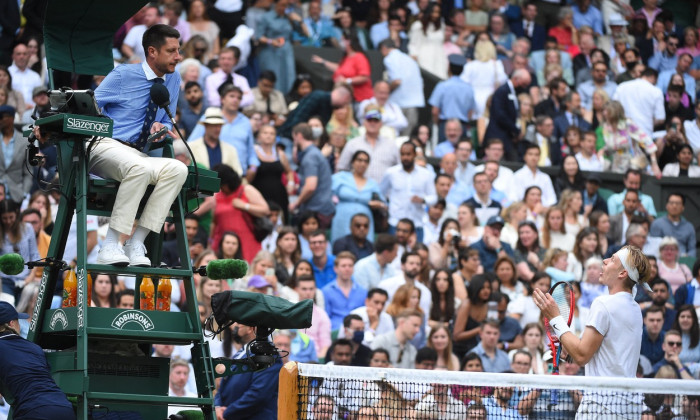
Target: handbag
260	226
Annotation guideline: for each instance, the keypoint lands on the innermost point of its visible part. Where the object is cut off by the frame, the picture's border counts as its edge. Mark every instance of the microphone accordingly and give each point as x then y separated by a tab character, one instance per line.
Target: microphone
11	264
161	97
223	269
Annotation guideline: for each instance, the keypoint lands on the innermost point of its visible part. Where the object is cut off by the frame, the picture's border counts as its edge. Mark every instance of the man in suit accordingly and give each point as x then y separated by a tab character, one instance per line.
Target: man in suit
621	221
209	150
529	29
549	145
250	395
571	116
504	112
17	180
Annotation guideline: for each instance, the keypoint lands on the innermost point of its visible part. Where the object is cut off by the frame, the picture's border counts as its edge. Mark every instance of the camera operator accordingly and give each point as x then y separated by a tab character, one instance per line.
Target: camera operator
250	395
669	145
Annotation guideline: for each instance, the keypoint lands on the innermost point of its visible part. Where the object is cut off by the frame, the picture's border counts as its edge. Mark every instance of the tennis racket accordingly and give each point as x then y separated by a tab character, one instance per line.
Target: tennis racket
563	295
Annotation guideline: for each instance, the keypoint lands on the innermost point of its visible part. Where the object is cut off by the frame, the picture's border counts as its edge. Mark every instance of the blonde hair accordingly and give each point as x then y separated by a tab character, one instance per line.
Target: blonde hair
615	113
401	298
552	255
638	260
6	327
546	228
484	51
508	212
349	120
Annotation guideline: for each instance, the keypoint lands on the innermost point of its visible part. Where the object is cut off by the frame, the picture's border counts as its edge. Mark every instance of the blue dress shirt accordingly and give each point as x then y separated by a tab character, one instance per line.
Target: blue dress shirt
124	96
338	306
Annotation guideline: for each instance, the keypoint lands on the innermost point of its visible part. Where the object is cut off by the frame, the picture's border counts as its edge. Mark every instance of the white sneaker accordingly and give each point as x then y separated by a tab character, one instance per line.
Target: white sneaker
136	254
112	255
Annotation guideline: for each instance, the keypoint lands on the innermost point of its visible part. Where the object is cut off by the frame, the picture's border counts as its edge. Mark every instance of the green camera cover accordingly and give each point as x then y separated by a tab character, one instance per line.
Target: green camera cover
259	310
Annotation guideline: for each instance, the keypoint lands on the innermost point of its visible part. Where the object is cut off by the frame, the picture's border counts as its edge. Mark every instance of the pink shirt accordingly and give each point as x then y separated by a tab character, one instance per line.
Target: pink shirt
320	330
217	78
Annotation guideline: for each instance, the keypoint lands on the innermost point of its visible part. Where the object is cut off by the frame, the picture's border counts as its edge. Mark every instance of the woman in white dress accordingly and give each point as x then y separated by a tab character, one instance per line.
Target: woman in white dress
485	74
427	37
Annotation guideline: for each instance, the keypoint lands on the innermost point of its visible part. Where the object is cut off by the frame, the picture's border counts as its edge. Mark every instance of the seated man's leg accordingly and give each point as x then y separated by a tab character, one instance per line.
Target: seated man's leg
134	170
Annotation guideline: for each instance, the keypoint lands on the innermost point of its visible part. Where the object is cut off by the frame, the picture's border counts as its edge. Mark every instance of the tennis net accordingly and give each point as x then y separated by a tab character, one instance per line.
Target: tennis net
323	392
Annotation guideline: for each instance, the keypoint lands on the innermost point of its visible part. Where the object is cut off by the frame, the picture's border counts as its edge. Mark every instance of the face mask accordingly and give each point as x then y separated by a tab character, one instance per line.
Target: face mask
316	132
358	336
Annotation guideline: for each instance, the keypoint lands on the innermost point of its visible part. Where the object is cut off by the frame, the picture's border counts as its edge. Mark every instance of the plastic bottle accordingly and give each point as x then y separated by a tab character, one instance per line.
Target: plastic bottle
147	293
164	291
89	289
70	290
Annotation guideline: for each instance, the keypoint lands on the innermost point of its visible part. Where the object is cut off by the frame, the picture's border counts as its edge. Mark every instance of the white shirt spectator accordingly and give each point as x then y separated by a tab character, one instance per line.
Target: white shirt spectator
392	116
399	186
134	40
523	178
692	133
24	81
504	182
589	164
71	250
643	103
400	66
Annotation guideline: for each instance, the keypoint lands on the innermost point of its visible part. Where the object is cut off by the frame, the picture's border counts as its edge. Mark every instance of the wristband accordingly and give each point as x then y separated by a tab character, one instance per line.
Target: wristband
682	369
559	326
505	345
247	206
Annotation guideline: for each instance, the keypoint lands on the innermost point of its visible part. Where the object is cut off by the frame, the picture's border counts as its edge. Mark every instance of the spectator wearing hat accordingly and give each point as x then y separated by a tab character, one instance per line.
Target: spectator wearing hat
25	376
490	247
41	100
17	180
393	118
453	98
209	150
405	80
236	130
258	284
383	151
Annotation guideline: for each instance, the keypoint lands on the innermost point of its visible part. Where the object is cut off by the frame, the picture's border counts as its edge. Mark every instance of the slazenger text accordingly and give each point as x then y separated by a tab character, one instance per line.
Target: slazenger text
87	125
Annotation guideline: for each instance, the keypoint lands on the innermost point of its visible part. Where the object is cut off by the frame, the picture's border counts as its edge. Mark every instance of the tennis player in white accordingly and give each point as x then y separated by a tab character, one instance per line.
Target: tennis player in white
612	340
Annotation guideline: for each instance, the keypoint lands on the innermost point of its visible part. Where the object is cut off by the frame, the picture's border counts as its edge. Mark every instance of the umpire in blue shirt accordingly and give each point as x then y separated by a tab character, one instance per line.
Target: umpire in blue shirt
25	376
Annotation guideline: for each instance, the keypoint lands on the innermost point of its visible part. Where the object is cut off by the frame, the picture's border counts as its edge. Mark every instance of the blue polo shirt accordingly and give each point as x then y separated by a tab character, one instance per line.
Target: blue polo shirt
338	306
488	256
454	97
325	275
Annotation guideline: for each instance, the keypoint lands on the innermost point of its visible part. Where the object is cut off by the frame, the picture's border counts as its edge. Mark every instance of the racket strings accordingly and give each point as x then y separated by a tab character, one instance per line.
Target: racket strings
562	296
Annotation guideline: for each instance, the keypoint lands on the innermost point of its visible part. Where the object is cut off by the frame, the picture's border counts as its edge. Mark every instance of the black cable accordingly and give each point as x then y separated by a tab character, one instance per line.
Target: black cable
194	161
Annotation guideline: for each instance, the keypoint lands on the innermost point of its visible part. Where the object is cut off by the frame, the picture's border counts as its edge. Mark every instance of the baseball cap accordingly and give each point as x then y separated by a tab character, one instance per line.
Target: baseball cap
38	91
7	110
495	220
457	60
594	178
373	114
258	282
9	313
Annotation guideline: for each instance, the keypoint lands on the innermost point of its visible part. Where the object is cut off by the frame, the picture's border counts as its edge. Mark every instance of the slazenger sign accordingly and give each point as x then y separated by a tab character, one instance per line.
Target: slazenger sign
87	125
132	316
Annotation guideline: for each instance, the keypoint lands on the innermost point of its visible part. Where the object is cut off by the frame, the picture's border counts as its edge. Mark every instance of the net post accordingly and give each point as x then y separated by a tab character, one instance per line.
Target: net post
288	399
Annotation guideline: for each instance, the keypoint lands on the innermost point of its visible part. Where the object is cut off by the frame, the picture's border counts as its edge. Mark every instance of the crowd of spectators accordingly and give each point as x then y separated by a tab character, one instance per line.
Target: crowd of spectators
409	264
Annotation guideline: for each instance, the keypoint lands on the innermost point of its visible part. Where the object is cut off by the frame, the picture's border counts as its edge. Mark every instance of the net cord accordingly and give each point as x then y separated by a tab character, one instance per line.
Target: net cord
656	386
